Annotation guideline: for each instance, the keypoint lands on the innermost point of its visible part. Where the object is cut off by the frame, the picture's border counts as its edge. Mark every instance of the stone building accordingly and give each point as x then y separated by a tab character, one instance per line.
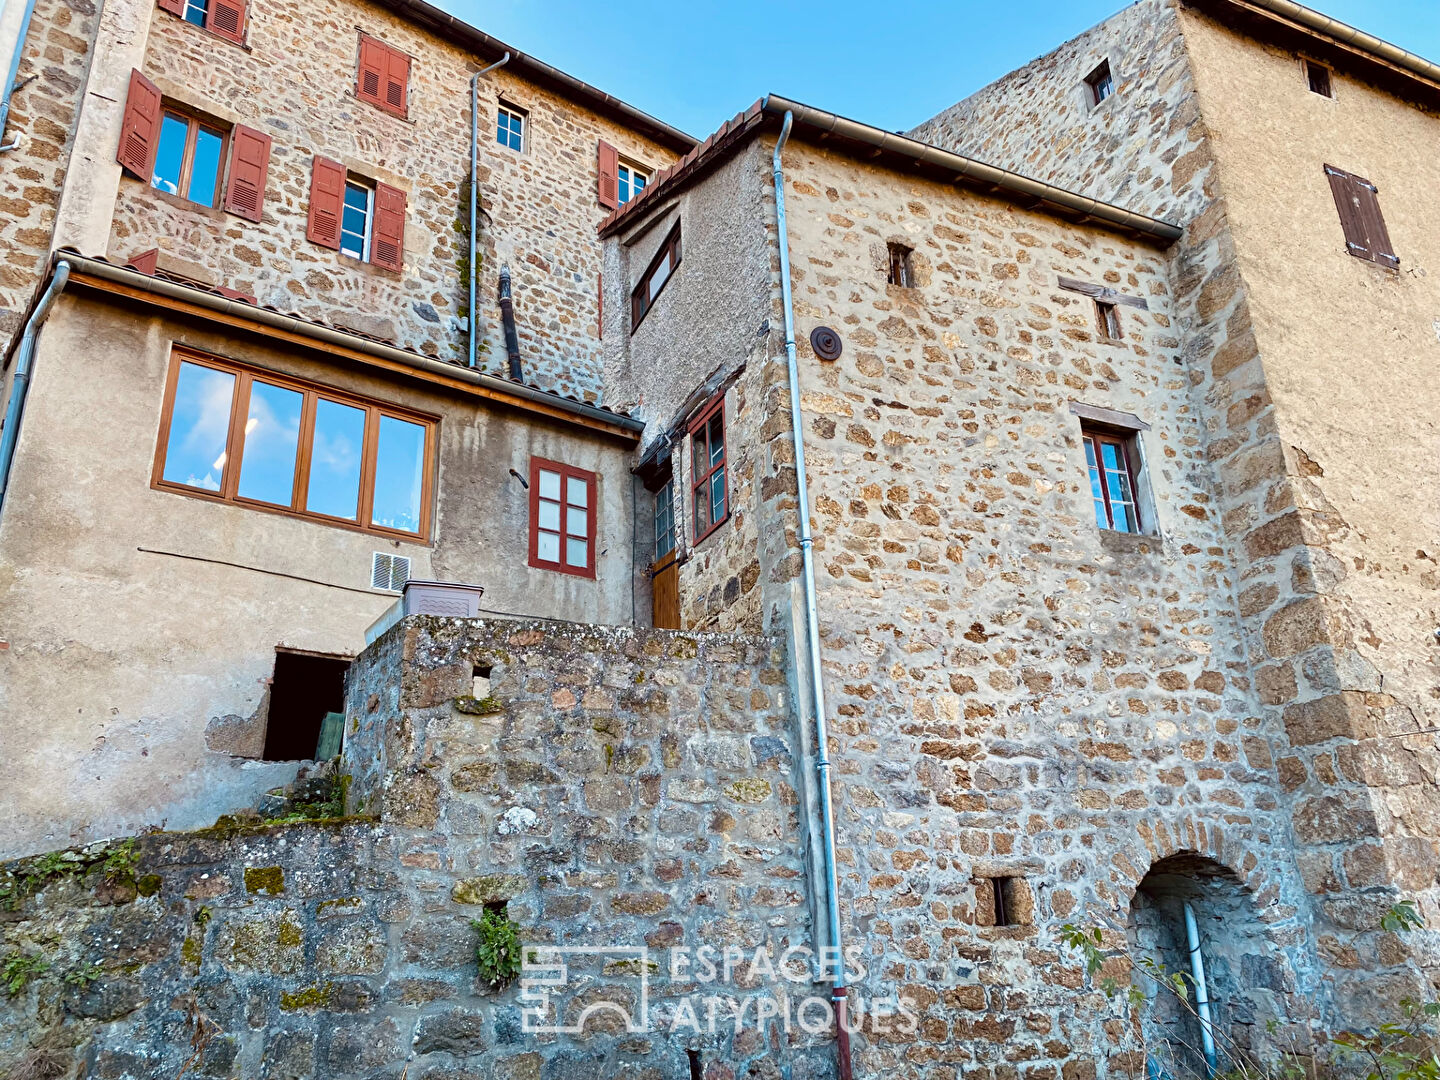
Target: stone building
1101	613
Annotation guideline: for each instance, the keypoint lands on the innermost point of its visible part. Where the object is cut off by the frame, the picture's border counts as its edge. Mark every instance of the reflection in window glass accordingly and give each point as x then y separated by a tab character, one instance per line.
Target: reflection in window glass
355	221
272	436
665	520
199	426
335	459
399	475
170	154
205	167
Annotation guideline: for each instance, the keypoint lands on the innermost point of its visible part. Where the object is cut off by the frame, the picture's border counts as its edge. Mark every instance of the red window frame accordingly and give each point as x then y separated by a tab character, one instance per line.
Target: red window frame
567	473
1093	439
700	436
641	299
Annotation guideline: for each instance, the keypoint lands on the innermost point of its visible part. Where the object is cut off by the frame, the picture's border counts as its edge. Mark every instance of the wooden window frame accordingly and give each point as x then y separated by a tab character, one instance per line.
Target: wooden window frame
592	517
368	186
633	169
1101	75
1107	322
900	267
700	426
1327	77
524	117
245	375
1098	435
665	498
194	120
641	302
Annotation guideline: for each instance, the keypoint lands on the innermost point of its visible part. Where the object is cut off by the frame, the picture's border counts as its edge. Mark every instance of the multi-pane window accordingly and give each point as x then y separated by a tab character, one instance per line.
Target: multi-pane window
196	11
1109	459
510	127
355	219
707	470
187	158
899	272
1107	320
665	520
661	269
630	181
562	518
1100	83
264	441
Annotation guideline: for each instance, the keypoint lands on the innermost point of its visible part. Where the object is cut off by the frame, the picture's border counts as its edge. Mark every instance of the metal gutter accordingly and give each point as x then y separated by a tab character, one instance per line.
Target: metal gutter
446	26
1349	35
493	384
24	362
964	168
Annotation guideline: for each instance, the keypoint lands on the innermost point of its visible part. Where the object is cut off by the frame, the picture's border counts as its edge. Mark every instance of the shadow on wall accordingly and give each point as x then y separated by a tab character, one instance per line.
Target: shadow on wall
1247	976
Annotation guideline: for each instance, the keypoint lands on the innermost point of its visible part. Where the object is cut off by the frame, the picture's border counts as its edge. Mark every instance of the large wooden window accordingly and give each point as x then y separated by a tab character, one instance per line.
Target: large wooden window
1358	201
1109	457
707	469
562	518
188	157
239	435
661	269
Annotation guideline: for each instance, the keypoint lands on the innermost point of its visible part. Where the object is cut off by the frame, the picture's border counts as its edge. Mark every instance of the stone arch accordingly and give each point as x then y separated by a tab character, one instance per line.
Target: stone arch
1250	978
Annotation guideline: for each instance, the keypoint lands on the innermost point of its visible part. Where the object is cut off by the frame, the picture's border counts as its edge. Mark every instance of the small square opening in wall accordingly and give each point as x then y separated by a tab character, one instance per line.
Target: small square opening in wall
480	681
306	691
1318	76
1004	900
901	271
1107	321
1100	83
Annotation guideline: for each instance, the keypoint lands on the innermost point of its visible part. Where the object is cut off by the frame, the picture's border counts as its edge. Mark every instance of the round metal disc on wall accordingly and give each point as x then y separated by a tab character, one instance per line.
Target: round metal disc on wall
826	343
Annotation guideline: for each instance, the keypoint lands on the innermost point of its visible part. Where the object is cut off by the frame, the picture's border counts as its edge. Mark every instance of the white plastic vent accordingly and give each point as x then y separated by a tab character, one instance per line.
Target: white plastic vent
389	572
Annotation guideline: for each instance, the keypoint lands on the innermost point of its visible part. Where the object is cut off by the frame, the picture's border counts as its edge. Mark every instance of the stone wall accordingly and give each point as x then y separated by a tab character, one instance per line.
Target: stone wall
55	62
610	789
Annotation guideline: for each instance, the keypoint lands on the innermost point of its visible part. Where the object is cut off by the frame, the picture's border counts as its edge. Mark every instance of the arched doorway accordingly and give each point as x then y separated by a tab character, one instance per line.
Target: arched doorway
1189	903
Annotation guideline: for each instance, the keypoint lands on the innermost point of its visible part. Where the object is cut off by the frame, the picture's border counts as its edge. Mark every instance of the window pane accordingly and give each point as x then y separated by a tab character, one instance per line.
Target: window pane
355	221
577	492
577	552
272	434
199	426
717	495
399	475
577	522
1101	518
717	438
700	463
195	11
335	460
547	548
637	181
549	516
205	167
549	485
170	154
657	279
1123	517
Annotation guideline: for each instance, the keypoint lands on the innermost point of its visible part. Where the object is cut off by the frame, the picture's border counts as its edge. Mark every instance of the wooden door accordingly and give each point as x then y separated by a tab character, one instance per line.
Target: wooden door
665	591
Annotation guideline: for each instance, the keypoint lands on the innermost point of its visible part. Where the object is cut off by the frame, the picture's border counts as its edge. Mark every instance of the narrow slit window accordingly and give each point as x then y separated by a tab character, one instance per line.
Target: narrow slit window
356	219
1107	319
1003	898
661	269
900	270
510	127
562	518
1100	83
665	520
707	470
187	158
1110	461
1319	78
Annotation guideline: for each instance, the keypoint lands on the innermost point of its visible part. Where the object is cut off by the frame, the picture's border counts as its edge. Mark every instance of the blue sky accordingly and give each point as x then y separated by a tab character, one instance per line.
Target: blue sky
695	63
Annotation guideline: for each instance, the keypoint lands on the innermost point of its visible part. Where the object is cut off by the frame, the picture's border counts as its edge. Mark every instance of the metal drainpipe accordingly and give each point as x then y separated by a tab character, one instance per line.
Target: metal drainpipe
474	198
1202	994
14	74
812	624
24	361
507	316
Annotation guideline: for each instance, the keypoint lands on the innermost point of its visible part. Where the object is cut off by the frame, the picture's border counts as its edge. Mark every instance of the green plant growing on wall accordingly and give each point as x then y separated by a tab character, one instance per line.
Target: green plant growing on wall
1404	1048
498	951
82	977
18	969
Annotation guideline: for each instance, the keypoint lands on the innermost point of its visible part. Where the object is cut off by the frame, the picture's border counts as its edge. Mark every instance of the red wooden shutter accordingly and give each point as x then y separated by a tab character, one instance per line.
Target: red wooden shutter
249	165
387	240
609	171
145	261
227	19
373	67
140	129
175	7
397	81
327	199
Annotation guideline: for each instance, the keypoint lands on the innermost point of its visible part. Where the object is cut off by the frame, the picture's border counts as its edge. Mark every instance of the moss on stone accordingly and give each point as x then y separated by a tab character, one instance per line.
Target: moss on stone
318	996
192	951
149	884
269	880
337	906
748	791
489	889
289	936
474	706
